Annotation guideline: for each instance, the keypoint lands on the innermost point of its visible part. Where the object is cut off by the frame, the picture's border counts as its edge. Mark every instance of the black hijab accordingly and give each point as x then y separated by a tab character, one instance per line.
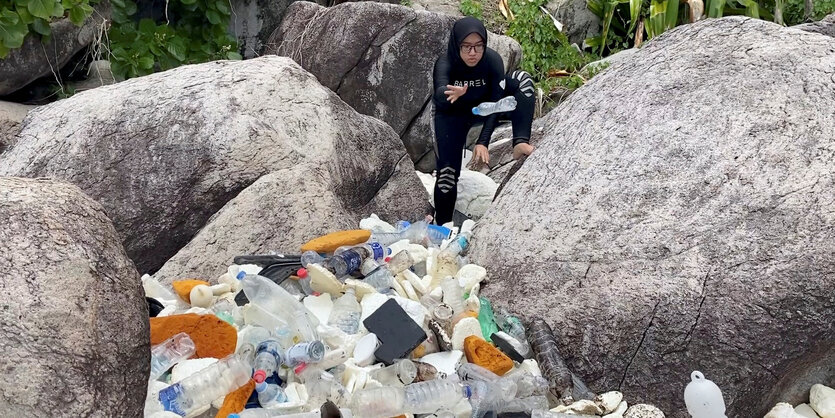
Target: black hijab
461	29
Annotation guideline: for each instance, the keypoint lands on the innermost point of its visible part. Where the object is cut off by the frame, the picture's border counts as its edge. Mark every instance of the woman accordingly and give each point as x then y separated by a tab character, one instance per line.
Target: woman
466	76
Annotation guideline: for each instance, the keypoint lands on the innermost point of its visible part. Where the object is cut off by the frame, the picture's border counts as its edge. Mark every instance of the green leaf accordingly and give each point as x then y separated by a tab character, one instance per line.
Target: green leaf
187	2
146	62
147	27
41	26
234	56
12	30
130	8
608	13
657	18
44	9
4	52
25	16
671	14
715	8
78	14
634	14
223	7
214	17
177	48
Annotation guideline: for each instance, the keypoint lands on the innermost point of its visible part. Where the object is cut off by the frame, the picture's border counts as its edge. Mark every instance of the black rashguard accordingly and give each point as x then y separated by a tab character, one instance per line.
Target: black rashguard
482	86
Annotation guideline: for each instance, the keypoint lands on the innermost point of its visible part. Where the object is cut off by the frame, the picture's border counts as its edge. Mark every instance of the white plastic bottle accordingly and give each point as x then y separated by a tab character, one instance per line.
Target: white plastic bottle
401	373
453	295
703	398
346	313
505	104
201	388
170	352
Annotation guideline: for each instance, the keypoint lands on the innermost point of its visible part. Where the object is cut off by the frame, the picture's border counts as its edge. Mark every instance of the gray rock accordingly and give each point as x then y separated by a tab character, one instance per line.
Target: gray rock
11	116
825	27
253	21
74	322
163	153
643	411
378	58
36	59
687	209
285	209
447	7
578	21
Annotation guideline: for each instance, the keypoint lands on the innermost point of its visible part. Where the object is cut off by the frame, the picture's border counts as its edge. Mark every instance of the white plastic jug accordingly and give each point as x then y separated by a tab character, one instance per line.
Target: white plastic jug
703	398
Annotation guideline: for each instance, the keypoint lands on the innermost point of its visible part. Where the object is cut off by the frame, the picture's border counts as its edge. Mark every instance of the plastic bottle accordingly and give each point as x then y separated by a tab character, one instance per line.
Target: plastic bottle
170	352
271	297
346	313
270	395
269	355
524	404
527	384
417	398
417	233
201	388
246	352
302	327
446	263
489	395
703	398
304	281
505	104
306	352
310	257
372	250
381	279
544	413
266	413
474	372
453	295
401	373
400	262
322	386
348	260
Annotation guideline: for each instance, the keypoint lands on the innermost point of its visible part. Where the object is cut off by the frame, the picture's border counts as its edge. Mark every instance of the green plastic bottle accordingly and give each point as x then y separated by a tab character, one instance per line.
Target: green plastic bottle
486	320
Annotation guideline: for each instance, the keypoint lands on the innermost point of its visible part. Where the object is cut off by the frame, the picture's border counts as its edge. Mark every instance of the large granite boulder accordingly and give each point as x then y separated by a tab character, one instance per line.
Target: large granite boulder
677	216
74	321
163	153
379	59
253	21
825	26
579	23
35	59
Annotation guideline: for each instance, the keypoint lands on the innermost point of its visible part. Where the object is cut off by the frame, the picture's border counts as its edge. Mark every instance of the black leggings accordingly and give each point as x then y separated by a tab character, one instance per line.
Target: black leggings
451	136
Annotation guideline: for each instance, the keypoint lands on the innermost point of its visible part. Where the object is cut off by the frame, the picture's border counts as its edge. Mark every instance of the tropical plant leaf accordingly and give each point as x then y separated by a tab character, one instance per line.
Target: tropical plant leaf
41	26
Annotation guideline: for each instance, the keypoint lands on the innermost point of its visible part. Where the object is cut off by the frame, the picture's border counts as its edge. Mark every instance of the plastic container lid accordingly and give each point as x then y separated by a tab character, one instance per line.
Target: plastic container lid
259	376
365	348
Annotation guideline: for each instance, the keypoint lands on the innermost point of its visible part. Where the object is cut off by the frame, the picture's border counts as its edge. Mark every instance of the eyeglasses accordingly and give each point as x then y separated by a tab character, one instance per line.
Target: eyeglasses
477	48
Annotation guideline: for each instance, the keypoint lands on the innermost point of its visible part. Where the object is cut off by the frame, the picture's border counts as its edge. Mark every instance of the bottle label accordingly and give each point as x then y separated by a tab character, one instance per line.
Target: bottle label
298	353
169	398
352	259
377	251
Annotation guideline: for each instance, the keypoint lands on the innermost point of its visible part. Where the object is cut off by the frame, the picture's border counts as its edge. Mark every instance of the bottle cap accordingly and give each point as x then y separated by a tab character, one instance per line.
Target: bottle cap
300	368
233	416
241	275
259	376
302	273
475	110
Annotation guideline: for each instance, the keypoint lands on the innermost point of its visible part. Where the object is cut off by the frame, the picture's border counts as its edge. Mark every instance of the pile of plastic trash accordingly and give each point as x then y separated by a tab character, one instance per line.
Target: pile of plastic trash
382	321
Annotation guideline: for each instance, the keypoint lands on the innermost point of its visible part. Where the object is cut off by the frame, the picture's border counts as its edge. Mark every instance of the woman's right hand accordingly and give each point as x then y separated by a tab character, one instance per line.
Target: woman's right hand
481	155
454	92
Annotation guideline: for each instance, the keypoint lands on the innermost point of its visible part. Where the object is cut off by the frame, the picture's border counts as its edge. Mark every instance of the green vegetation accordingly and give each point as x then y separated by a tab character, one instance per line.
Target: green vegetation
19	18
625	22
198	32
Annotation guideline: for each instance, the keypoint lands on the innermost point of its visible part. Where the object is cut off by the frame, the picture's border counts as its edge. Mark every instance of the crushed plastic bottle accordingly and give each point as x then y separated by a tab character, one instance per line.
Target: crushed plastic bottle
346	313
170	352
269	355
400	373
270	395
417	398
201	388
307	353
505	104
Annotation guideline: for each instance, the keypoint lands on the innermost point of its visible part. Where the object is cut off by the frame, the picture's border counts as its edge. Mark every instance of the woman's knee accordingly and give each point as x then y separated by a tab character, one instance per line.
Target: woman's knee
447	178
521	83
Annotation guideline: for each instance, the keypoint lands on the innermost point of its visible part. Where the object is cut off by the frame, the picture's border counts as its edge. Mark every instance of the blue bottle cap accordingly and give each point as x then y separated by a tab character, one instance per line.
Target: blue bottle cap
475	110
241	275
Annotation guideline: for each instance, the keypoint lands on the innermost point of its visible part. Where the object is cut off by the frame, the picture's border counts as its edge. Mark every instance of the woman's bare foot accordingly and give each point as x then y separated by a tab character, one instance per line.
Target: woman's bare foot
522	148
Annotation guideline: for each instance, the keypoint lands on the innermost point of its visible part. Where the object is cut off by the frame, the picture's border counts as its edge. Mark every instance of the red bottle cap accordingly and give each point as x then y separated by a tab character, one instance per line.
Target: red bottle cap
302	273
259	376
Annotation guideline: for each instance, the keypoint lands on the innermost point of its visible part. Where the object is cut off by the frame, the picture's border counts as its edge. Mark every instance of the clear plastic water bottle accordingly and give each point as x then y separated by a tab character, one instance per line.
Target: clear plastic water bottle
304	281
400	262
306	352
345	262
264	293
489	395
401	373
322	386
380	279
372	250
346	313
201	388
270	395
527	384
474	372
505	104
432	395
268	356
170	352
381	402
524	404
311	257
417	233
